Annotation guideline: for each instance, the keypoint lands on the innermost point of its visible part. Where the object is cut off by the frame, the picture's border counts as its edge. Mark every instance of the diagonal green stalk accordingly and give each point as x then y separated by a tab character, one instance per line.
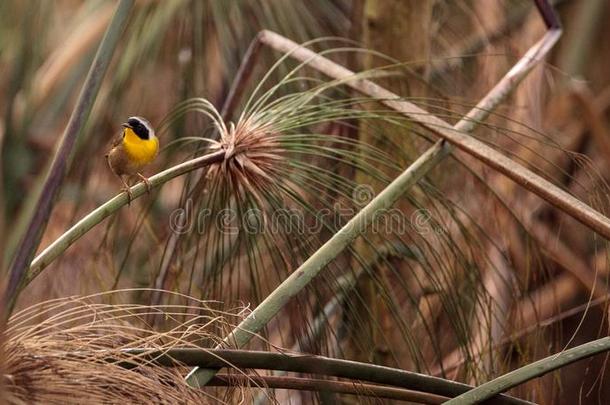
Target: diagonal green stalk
302	363
458	135
59	166
531	371
300	278
111	206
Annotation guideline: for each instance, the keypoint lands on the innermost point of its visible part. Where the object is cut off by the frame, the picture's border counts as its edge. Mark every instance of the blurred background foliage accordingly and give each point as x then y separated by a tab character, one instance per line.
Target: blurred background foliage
487	276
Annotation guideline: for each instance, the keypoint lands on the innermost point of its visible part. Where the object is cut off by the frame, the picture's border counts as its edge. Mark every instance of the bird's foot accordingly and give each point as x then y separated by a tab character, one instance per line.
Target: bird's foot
146	182
127	190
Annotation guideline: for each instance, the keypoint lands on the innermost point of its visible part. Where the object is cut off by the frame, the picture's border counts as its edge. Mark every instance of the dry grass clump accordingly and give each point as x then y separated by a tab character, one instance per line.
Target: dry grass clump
73	350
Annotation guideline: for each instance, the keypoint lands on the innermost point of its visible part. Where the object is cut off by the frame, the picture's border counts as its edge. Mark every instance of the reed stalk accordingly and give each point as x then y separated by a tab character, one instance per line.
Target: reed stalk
60	164
96	216
531	371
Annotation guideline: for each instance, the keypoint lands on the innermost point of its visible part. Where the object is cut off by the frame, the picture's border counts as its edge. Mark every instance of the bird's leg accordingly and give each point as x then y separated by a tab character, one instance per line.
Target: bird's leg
146	181
126	189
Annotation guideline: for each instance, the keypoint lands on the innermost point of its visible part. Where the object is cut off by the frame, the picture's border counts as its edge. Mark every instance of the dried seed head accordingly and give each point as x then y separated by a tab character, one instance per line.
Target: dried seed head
254	159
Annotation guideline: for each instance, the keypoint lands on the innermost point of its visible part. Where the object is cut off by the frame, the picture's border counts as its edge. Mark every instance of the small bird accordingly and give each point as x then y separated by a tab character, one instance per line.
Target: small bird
135	148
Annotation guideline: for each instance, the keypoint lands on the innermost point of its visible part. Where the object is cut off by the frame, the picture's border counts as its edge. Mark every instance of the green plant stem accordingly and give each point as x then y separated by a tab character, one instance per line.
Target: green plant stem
303	363
59	166
320	385
458	135
111	206
531	371
241	78
358	224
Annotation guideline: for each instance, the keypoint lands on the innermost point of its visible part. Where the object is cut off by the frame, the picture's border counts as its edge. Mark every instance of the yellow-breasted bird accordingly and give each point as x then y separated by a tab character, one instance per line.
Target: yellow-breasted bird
136	147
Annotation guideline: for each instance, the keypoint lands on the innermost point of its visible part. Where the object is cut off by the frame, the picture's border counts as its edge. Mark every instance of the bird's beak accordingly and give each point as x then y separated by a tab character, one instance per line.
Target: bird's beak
126	125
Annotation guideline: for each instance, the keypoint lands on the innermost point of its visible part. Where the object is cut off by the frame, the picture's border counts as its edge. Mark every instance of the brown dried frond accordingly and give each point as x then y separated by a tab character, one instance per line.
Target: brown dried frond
254	159
73	350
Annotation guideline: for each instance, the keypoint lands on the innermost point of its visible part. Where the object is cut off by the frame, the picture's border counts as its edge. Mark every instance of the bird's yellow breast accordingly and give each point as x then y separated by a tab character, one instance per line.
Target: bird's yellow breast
140	151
